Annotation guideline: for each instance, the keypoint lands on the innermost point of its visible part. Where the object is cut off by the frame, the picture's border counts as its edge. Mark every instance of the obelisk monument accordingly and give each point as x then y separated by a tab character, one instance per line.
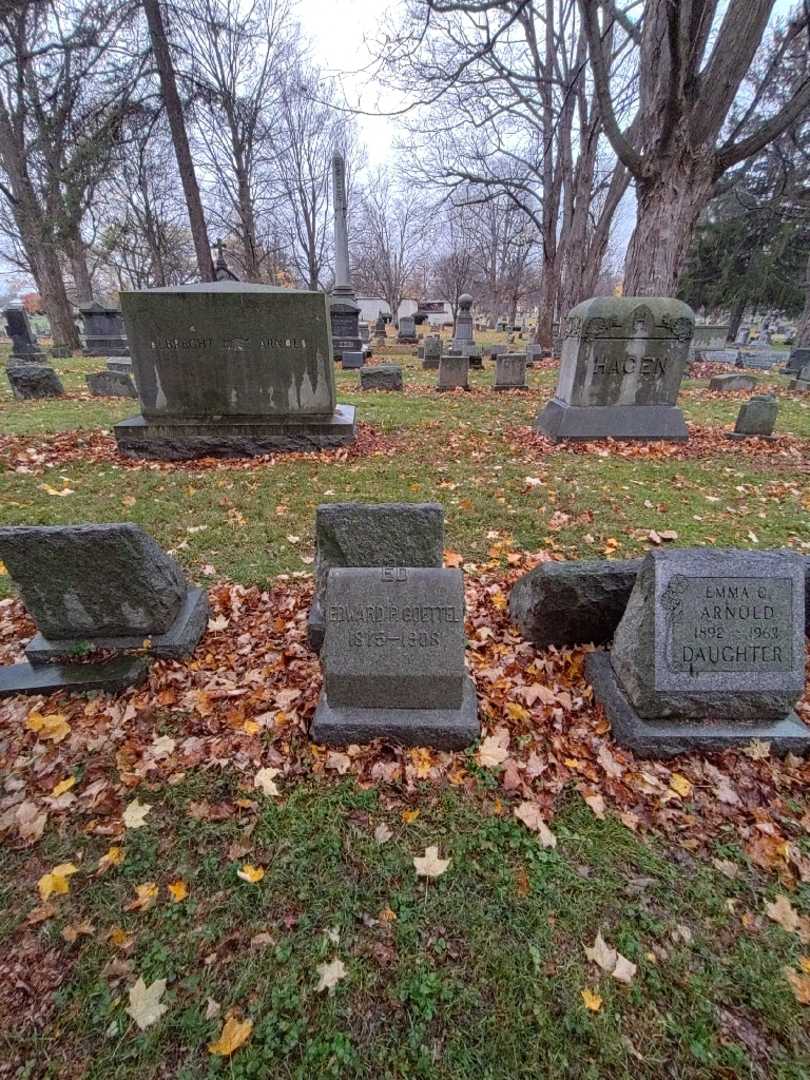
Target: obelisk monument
344	313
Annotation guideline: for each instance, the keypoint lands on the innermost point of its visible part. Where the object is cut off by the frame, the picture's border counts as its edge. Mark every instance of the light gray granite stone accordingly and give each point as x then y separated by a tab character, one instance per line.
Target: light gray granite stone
733	382
757	418
454	373
110	384
510	372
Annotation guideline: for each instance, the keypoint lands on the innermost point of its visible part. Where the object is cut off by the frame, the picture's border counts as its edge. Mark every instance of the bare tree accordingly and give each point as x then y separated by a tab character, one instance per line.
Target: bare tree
690	71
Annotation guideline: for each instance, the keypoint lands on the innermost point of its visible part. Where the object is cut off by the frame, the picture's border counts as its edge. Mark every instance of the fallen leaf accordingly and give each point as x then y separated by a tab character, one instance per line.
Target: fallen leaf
800	984
252	874
601	954
780	910
145	897
430	865
53	726
597	804
593	1001
382	833
757	750
63	786
145	1006
113	857
57	882
330	975
494	749
134	816
73	931
679	783
178	890
234	1034
409	816
624	969
529	813
162	746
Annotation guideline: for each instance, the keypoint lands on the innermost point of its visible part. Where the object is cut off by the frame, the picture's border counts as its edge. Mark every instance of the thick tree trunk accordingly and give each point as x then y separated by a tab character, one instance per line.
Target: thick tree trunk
177	124
735	319
548	294
669	204
81	275
55	299
803	327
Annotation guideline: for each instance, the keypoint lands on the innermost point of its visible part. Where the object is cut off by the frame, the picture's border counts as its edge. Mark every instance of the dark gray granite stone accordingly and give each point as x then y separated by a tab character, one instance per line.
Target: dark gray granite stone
622	362
381	377
733	382
92	581
572	603
110	384
667	738
796	360
713	636
454	372
757	418
372	534
351	359
24	344
510	372
103	330
407	330
393	658
30	381
112	675
120	363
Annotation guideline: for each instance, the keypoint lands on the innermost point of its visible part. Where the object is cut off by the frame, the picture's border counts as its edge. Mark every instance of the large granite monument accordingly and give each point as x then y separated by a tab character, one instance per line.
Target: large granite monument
709	653
343	311
393	659
463	340
231	369
103	330
622	362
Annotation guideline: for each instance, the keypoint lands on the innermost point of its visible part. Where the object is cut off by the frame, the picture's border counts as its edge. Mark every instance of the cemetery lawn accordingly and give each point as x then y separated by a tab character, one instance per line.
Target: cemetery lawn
481	972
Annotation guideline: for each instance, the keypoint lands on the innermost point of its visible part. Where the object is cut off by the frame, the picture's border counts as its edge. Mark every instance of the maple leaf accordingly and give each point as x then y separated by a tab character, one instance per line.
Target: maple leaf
145	897
537	692
330	975
609	763
726	867
781	911
113	857
264	779
338	761
251	874
757	750
429	864
178	890
610	961
63	786
597	804
30	821
382	833
219	623
453	559
162	746
529	813
54	726
624	969
494	749
135	814
145	1006
800	984
592	1000
57	882
409	816
235	1033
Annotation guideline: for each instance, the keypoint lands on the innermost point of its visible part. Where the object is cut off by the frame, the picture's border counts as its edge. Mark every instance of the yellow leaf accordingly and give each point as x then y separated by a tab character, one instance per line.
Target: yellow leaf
592	1001
679	783
233	1035
135	814
113	857
3	570
800	984
517	712
179	891
409	816
63	786
429	864
145	896
253	874
57	881
53	726
250	727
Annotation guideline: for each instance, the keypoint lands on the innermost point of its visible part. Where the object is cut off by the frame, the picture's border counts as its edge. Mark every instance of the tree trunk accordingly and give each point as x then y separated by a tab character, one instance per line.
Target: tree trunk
735	319
669	204
803	326
177	124
81	275
55	299
548	294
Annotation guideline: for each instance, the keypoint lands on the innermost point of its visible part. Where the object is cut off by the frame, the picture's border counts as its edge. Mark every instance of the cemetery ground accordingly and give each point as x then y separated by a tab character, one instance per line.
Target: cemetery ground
598	916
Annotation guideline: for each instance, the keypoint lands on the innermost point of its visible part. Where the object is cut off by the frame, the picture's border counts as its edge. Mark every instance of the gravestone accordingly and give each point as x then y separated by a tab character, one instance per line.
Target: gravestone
796	361
743	335
30	381
110	384
122	364
379	329
732	382
381	377
756	419
24	344
510	372
372	534
708	339
107	585
365	333
103	330
393	660
351	359
497	350
231	368
407	330
343	311
622	362
709	653
432	352
535	352
463	341
454	373
802	381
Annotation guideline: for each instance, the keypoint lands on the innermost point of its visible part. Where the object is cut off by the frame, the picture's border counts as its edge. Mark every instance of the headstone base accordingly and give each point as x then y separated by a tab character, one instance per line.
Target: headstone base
430	363
118	674
122	364
442	729
179	440
752	435
511	386
559	420
179	641
664	739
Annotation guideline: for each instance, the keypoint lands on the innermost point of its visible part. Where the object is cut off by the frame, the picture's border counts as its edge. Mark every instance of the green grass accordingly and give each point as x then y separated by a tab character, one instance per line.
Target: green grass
479	974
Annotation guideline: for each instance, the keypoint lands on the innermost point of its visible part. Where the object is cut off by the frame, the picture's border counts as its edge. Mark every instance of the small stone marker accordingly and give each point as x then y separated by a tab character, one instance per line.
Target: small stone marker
757	418
110	384
103	330
454	373
381	377
796	360
802	381
709	653
510	372
351	360
110	586
407	330
372	534
535	352
29	381
733	382
623	358
432	352
393	660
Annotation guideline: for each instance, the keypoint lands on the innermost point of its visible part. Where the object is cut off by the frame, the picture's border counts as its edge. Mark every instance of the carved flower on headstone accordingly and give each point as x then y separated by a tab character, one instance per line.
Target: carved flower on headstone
671	597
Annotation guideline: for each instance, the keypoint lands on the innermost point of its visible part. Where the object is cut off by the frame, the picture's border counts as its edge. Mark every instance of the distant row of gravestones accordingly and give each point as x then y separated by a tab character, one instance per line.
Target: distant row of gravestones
708	645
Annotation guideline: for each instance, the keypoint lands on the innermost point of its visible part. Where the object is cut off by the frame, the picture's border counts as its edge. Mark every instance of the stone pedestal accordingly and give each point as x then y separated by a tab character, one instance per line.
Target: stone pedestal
344	316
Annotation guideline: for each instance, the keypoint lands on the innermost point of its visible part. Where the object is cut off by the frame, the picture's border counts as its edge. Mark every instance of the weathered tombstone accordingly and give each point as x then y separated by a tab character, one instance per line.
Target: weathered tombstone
351	359
454	373
24	344
372	534
122	364
796	361
464	338
365	333
407	330
381	377
510	372
623	359
495	351
97	587
733	382
708	339
743	335
379	328
709	654
30	381
802	380
534	352
103	330
393	660
110	384
432	352
231	368
756	419
343	311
